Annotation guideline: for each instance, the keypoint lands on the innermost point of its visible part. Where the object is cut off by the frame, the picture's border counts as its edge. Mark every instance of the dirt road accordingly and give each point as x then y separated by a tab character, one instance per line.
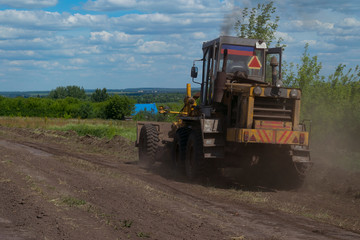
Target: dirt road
57	185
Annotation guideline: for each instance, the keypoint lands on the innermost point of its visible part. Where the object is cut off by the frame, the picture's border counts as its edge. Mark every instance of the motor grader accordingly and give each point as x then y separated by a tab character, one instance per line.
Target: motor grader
242	118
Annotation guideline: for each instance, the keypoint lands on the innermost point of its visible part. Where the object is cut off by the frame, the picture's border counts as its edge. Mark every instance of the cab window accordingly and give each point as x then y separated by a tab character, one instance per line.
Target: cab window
244	59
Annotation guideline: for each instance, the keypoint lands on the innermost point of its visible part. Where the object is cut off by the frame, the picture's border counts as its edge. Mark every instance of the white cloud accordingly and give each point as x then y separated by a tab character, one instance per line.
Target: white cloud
114	40
199	35
101	36
311	6
34	63
78	61
311	25
145	18
156	47
29	3
49	20
152	23
150	6
310	42
285	36
14	33
350	22
109	5
319	45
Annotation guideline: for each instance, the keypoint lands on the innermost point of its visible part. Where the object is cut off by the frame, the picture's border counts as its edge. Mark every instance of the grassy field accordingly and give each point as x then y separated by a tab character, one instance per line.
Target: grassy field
94	127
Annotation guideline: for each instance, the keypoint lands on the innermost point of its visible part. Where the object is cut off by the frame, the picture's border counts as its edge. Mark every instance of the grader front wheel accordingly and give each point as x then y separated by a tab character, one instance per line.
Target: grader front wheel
179	149
148	145
194	156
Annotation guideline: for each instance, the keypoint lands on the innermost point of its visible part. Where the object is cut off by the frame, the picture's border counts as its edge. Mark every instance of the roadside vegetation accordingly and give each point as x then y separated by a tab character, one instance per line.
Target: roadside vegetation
99	130
69	102
93	127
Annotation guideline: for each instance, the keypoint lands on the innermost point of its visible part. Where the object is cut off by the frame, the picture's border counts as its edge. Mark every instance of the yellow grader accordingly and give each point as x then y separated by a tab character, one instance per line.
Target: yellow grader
238	120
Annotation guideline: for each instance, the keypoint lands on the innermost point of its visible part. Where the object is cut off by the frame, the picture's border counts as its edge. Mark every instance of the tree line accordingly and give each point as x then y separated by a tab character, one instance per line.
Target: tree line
68	106
72	102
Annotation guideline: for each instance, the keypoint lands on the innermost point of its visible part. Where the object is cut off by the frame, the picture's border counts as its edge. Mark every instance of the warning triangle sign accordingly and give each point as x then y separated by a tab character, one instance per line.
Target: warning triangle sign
253	138
254	63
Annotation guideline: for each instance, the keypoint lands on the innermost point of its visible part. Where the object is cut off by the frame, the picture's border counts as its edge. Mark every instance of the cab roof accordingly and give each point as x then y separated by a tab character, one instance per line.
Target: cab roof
232	40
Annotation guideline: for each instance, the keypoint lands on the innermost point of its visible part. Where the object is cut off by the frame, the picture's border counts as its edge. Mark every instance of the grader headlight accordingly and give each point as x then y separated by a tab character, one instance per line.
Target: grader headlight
279	83
257	91
294	93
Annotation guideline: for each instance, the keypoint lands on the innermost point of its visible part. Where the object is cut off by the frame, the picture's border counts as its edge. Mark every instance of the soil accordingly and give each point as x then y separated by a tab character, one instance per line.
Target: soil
57	185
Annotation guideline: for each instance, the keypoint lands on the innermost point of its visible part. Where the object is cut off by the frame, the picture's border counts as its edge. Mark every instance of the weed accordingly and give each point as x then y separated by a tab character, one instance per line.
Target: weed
143	235
61	182
127	223
36	188
8	162
238	238
51	187
71	201
4	180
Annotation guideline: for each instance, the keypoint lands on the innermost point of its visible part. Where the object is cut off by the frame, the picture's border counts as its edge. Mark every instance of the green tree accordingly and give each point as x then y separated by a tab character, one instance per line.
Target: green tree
58	93
99	95
307	72
258	23
76	92
69	91
117	107
86	110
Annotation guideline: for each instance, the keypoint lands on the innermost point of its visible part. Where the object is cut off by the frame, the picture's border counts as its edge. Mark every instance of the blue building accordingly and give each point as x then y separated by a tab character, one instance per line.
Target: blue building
149	107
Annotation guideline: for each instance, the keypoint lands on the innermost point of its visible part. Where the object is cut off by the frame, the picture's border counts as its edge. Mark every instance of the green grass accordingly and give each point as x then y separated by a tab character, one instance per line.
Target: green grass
94	127
71	201
143	235
99	130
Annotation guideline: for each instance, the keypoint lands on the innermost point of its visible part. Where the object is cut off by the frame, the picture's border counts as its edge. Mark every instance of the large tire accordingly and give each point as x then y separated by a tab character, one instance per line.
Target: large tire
290	175
148	145
179	149
296	174
194	160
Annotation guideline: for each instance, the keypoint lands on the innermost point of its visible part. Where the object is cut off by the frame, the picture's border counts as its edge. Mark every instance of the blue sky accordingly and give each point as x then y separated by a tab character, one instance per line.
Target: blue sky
150	43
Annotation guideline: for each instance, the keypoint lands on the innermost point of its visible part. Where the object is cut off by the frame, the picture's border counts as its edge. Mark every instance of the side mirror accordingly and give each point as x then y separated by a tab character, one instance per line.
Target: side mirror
194	72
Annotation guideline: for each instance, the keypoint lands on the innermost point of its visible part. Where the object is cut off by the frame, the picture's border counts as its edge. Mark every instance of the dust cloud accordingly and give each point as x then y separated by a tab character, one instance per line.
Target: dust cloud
336	168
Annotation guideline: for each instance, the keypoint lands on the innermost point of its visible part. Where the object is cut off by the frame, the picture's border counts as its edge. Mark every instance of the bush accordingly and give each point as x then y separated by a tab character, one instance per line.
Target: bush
117	107
99	95
69	91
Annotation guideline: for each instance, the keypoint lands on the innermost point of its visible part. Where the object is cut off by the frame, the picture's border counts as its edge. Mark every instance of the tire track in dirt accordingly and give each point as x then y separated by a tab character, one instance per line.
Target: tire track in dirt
255	222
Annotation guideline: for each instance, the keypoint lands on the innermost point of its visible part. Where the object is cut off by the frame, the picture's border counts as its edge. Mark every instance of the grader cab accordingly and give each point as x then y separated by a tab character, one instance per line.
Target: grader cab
238	120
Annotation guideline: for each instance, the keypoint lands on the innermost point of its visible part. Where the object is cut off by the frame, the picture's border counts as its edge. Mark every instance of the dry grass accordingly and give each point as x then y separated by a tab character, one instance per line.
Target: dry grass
126	129
37	122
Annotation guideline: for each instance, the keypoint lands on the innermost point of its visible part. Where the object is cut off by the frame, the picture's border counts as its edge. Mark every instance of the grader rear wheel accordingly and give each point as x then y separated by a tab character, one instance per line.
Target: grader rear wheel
292	175
148	145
